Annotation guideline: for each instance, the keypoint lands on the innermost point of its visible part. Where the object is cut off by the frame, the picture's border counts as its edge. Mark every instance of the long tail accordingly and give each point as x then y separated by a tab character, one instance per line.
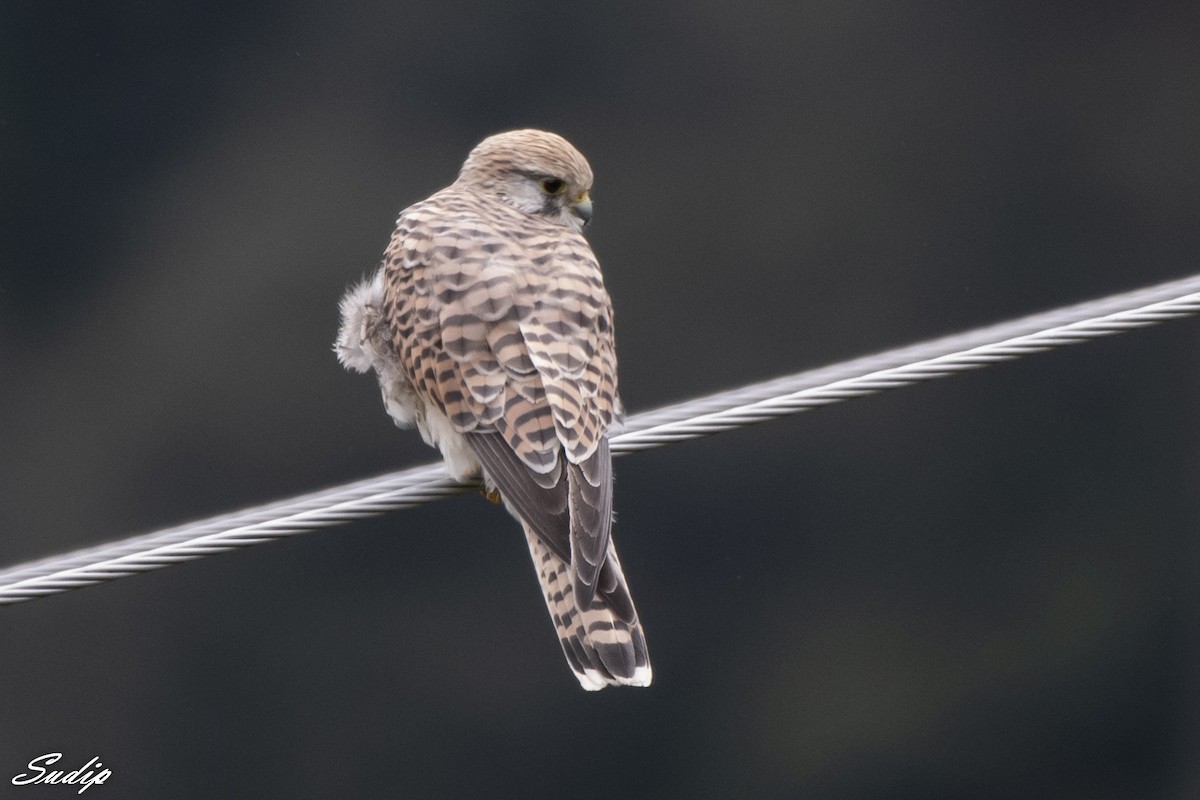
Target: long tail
604	643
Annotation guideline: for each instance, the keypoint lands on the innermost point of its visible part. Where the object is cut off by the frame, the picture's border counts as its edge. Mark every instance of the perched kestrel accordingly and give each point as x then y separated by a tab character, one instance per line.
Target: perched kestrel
490	329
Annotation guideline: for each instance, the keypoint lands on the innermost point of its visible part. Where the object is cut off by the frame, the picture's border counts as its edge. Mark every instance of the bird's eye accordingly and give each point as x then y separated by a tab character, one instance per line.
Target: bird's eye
553	185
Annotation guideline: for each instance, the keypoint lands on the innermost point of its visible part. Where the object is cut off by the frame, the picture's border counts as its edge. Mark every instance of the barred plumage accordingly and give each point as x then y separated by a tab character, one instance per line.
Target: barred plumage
490	329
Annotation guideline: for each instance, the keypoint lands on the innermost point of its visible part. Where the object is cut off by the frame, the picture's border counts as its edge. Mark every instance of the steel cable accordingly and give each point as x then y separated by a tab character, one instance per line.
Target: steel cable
703	416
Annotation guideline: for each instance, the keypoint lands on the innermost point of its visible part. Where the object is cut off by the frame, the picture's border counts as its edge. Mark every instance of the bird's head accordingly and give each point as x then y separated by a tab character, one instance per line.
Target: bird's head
533	171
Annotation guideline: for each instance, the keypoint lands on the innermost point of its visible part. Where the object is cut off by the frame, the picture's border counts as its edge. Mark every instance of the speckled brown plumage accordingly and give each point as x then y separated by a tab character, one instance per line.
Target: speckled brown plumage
505	322
490	329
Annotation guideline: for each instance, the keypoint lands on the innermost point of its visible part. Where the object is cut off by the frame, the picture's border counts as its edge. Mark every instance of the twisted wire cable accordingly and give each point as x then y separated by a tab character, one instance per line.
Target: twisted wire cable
679	422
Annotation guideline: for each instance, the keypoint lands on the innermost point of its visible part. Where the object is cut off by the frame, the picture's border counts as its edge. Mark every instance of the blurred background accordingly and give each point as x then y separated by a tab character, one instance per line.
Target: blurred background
982	587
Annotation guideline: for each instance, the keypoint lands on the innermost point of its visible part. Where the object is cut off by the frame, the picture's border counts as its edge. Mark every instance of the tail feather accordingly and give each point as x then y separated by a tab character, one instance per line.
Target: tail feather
603	643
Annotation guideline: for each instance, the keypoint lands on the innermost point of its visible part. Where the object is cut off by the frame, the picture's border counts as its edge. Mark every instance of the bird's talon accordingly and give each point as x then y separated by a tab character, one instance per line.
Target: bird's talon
491	494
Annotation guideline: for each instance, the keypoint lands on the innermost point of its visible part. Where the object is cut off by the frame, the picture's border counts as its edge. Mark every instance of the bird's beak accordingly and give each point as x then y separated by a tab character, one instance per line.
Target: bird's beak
582	208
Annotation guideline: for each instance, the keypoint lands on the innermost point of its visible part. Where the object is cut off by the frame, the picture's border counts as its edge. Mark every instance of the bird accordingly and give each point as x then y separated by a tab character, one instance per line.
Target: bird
489	328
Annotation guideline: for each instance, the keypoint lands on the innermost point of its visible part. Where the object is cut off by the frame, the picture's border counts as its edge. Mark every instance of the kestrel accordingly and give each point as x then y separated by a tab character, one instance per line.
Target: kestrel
491	331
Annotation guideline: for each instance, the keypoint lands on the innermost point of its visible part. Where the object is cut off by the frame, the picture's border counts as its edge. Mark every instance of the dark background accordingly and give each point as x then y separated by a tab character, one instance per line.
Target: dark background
982	587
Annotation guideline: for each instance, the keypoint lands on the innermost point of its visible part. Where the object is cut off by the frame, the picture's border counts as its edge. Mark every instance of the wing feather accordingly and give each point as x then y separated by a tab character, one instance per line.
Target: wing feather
509	334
